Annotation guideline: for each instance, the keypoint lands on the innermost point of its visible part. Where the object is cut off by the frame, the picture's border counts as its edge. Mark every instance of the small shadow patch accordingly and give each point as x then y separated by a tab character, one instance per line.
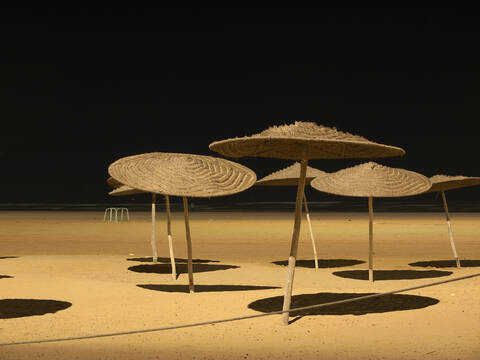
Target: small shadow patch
204	288
381	304
8	257
167	260
391	274
322	263
5	277
180	268
14	308
446	263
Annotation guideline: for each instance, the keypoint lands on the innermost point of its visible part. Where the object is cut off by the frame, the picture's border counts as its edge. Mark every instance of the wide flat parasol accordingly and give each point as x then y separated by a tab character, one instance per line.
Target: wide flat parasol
185	175
372	180
302	141
289	177
442	183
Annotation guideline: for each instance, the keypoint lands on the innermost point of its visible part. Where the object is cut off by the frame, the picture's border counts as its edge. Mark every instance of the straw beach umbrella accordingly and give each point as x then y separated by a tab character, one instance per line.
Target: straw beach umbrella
184	175
302	141
289	177
442	183
114	183
127	190
372	180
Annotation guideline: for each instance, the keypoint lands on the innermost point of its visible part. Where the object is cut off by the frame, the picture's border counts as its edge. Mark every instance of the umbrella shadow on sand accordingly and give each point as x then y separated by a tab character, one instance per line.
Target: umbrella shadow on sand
8	257
391	274
381	304
14	308
204	288
167	260
322	263
446	263
5	277
181	268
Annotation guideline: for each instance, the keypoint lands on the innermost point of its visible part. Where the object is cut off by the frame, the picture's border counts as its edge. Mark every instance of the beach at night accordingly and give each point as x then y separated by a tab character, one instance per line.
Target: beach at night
301	183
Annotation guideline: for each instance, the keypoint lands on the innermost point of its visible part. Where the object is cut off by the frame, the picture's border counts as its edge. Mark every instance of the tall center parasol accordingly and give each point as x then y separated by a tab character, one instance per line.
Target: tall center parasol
184	175
120	190
372	180
289	177
302	141
442	183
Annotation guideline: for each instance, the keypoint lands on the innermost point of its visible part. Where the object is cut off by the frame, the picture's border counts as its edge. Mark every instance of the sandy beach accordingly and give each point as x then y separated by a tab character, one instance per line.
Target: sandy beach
97	278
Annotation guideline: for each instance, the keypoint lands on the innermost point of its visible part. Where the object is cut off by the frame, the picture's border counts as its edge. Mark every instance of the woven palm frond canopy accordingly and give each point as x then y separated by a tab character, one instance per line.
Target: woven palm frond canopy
113	183
445	182
304	140
289	176
125	190
120	189
182	174
372	180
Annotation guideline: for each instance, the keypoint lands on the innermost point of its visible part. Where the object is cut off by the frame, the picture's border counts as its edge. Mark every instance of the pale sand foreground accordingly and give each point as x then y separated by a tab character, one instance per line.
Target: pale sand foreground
77	258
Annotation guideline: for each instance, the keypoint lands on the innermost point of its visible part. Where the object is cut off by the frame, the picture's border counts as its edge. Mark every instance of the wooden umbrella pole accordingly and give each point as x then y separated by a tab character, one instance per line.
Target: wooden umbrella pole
294	246
370	239
450	234
154	244
169	234
307	213
189	246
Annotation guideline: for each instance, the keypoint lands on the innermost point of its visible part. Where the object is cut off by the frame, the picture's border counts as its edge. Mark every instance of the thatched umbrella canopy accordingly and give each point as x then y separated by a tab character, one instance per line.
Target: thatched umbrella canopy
447	182
302	141
114	183
289	177
372	180
442	183
184	175
124	190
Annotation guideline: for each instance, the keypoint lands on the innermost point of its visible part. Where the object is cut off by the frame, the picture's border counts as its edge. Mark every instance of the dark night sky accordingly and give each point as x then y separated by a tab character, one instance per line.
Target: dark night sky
82	88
